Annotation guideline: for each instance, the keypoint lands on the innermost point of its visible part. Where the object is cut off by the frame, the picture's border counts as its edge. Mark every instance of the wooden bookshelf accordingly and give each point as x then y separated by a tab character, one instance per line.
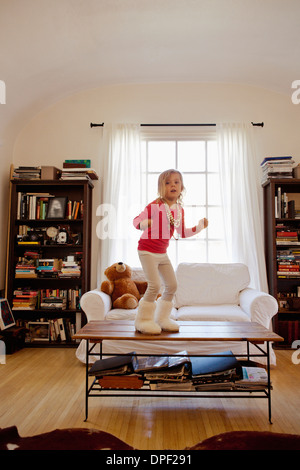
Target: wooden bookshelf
49	259
282	249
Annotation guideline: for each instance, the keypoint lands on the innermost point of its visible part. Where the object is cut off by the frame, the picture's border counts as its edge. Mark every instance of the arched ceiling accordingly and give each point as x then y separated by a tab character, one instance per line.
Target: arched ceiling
52	48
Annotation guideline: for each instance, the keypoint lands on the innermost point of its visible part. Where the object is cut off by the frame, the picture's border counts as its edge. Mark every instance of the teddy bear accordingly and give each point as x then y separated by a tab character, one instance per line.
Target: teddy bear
124	292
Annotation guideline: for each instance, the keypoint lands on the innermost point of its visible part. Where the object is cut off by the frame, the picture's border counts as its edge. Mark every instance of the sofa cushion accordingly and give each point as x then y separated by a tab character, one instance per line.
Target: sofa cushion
130	314
212	313
210	284
121	314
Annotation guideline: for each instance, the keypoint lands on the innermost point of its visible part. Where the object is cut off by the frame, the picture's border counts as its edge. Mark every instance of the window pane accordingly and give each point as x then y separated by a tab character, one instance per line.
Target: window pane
152	187
213	188
161	156
195	189
215	227
212	156
191	251
191	156
172	252
192	215
198	163
217	252
143	156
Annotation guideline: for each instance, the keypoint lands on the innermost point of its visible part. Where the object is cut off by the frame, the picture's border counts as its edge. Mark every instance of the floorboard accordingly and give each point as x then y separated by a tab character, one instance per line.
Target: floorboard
43	389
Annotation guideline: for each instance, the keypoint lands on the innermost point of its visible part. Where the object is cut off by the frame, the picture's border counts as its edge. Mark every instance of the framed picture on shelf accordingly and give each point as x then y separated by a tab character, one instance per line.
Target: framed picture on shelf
57	208
6	316
39	331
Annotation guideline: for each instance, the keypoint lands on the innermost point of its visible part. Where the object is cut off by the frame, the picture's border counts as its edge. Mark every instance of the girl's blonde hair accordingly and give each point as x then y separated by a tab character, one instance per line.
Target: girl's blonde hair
161	187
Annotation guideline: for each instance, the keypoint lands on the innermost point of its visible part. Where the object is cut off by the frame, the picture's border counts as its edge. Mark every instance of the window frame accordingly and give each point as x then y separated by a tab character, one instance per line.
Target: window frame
178	135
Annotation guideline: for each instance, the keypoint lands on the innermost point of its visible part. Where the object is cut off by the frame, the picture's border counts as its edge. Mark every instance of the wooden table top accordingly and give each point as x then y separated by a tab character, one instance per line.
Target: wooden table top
96	331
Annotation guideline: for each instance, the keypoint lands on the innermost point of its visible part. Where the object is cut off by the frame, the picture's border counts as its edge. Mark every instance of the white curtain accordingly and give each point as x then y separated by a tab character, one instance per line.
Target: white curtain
121	195
239	180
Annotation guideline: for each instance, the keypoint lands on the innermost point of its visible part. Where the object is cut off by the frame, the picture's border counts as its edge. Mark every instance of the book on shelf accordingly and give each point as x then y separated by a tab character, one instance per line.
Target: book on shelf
77	163
221	371
74	210
115	365
285	207
28	299
34	206
27	173
287	237
121	382
78	173
252	378
277	167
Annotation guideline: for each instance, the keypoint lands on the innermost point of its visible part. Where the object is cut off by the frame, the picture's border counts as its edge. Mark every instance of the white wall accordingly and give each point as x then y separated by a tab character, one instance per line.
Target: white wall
63	130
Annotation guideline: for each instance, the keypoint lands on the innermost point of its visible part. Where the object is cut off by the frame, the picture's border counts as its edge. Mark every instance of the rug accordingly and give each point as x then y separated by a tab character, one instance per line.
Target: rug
61	439
250	440
92	439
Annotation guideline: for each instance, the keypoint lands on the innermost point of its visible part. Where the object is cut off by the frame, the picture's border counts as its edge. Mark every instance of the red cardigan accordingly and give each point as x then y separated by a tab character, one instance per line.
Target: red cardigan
156	238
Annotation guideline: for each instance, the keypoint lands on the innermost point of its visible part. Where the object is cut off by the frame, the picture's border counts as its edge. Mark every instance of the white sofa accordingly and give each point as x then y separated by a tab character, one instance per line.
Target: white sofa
206	292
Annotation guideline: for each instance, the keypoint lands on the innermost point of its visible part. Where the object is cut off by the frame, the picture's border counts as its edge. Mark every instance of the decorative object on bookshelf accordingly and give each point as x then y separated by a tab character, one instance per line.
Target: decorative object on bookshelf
282	248
57	208
6	317
49	256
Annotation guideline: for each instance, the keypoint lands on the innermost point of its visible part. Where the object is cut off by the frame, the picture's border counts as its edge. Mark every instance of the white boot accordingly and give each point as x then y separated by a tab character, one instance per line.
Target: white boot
162	316
144	321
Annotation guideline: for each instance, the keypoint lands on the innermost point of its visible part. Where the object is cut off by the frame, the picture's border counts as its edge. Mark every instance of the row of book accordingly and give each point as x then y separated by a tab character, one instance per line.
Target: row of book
287	237
54	330
38	206
288	260
285	208
277	167
47	268
46	299
181	372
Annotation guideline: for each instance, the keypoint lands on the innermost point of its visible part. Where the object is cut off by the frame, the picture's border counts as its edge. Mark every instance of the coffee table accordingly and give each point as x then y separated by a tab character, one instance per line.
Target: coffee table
96	332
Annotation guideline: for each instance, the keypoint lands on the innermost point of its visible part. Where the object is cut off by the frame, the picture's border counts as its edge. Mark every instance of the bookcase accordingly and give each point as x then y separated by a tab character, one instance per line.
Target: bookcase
282	248
49	257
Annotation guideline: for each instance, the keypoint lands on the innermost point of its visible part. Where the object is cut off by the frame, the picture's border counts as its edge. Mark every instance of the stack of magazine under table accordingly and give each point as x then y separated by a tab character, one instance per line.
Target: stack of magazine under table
181	372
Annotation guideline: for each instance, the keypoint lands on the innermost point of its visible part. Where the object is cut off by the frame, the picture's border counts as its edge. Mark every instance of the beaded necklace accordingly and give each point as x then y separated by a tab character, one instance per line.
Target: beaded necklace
172	221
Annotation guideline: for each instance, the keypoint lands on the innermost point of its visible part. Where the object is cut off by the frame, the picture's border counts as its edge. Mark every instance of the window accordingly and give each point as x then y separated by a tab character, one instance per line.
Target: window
197	160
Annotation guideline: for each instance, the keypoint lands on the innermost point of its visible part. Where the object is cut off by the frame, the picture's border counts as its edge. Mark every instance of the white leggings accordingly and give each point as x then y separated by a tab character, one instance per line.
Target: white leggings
156	266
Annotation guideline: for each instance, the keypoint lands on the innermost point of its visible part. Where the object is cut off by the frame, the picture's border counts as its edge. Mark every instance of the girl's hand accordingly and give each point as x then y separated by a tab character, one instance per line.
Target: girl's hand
203	223
146	223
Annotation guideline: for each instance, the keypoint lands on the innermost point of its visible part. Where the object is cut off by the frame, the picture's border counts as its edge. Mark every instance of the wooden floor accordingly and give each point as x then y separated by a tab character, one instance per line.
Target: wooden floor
43	389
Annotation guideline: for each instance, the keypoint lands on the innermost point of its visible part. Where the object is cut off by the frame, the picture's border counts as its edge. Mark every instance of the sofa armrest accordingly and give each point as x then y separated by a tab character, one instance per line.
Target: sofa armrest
95	304
259	306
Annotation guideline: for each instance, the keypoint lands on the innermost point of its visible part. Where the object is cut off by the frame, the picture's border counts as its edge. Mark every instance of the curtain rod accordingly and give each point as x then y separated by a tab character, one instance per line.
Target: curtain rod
259	124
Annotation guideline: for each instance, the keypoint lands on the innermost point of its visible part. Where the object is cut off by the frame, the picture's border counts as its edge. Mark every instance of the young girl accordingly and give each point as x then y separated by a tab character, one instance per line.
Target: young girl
158	221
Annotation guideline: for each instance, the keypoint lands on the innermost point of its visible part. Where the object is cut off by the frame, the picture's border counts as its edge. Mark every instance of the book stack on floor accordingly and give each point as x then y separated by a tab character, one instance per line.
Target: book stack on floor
277	167
178	373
